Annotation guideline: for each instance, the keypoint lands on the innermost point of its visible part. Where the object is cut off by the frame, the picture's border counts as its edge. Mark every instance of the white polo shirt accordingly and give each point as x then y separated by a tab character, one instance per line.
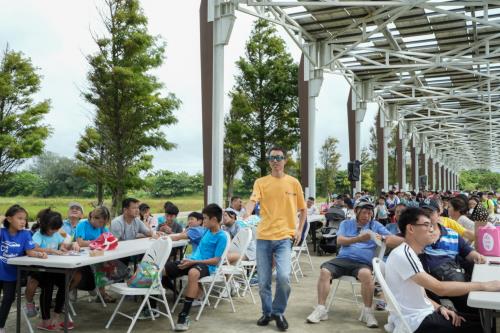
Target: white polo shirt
402	264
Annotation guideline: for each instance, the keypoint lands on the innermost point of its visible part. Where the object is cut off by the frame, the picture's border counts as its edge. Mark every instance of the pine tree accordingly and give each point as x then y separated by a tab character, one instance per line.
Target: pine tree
131	108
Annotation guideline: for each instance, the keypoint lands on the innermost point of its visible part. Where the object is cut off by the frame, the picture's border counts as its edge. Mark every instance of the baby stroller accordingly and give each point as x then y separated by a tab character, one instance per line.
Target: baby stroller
328	236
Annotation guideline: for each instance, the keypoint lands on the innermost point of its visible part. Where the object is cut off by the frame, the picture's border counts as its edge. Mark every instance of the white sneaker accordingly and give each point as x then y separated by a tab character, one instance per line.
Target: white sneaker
318	314
368	318
197	302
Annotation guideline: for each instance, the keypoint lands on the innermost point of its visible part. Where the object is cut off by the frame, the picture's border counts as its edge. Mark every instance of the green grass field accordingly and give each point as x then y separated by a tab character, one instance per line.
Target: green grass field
33	205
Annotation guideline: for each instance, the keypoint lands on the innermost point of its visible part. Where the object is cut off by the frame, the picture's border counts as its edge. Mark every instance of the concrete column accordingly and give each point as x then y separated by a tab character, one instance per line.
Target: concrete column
414	165
438	176
314	87
355	114
443	178
206	57
431	168
381	149
304	127
400	158
426	170
351	127
223	26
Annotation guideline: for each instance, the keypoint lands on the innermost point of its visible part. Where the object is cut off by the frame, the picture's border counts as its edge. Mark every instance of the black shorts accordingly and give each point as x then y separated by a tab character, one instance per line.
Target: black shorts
173	271
342	267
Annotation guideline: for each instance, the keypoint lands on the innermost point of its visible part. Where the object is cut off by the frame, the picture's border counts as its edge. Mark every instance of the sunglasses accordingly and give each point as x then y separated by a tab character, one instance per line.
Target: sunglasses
277	158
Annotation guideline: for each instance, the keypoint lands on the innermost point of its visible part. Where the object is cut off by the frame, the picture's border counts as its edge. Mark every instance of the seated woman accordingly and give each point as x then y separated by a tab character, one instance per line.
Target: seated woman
448	257
50	241
457	211
88	230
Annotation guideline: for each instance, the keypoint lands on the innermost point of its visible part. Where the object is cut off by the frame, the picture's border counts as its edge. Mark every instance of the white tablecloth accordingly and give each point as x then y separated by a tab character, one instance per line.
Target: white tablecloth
485	299
124	249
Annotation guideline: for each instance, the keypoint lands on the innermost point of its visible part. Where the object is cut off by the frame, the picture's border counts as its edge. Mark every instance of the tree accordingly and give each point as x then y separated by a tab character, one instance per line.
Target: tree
90	151
130	111
22	134
22	183
234	142
59	175
268	80
479	179
166	183
329	158
367	171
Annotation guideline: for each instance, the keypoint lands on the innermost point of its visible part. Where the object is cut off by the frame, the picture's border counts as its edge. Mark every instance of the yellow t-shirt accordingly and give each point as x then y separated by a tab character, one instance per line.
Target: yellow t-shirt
279	200
453	225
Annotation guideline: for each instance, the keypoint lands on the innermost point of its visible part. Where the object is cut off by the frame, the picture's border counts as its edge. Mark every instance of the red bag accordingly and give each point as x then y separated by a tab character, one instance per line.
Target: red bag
107	241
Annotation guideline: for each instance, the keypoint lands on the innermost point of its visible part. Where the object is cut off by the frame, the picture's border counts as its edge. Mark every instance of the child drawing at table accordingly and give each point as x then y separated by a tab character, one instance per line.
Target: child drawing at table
86	231
15	241
32	284
50	241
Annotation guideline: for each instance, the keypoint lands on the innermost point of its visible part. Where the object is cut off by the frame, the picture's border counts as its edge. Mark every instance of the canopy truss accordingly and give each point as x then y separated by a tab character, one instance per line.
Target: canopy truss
433	66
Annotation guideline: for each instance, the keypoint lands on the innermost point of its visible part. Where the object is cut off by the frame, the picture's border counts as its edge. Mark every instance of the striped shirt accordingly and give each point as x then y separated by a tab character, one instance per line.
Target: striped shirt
449	245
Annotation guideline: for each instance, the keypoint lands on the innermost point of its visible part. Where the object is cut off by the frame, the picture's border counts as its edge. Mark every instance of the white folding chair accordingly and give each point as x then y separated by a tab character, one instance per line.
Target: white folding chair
392	303
216	282
237	272
380	254
303	248
158	254
296	253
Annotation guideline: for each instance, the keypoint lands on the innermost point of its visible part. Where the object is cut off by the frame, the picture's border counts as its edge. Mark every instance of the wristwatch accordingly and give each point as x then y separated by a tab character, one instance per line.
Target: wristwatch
383	238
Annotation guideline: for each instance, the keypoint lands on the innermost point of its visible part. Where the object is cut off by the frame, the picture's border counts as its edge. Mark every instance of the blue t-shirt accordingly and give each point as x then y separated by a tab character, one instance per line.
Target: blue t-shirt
195	235
211	246
86	231
48	242
69	229
12	246
362	252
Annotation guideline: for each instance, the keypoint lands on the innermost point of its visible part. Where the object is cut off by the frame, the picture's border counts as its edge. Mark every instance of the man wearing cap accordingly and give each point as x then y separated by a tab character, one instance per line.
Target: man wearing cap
354	259
75	214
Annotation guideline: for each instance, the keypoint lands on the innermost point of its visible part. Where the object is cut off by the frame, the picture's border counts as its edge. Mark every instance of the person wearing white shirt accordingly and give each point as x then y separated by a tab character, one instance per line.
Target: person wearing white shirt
408	281
237	206
311	207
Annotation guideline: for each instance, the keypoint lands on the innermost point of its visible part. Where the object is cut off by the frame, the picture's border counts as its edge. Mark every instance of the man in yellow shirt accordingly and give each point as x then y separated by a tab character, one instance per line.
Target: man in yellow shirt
280	197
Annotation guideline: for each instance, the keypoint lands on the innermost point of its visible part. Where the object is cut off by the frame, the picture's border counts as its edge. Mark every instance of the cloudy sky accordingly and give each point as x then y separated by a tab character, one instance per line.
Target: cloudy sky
56	35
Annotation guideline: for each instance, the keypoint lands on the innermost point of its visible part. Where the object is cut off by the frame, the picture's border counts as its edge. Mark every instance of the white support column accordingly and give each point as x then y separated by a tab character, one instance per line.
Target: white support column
433	181
426	168
359	108
360	115
222	14
404	143
416	180
385	140
315	80
439	185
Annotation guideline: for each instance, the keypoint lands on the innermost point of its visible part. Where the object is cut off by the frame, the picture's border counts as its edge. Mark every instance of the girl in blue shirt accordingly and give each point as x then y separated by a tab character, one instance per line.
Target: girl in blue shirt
50	241
15	241
86	231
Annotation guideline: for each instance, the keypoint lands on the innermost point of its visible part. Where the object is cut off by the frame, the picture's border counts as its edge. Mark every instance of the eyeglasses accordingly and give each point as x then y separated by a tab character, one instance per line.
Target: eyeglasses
426	225
277	158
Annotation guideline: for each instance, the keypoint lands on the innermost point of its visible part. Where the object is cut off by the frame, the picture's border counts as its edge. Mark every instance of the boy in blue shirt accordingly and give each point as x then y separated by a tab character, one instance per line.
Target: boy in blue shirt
201	263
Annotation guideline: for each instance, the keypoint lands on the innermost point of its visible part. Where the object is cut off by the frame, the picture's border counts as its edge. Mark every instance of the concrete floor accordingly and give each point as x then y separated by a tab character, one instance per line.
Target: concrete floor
92	317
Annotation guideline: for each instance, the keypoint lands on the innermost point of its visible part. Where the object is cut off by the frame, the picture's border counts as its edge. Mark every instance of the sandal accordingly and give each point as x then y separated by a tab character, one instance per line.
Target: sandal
108	298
